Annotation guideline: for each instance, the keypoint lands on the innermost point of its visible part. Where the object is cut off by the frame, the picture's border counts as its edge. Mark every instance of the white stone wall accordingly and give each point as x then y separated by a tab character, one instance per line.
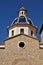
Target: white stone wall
27	31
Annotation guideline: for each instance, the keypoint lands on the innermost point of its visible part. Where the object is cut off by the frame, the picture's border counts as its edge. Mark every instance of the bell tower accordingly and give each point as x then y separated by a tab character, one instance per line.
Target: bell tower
22	25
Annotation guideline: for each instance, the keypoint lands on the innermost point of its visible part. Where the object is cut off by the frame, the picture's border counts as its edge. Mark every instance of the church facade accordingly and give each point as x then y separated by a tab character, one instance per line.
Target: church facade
22	47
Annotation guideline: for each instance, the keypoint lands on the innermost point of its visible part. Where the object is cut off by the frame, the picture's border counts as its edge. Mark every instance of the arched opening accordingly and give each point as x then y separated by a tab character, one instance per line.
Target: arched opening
12	32
22	31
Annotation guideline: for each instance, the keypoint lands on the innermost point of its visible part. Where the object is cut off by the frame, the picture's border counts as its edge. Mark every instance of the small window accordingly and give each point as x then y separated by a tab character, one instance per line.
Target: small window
31	33
22	12
12	32
21	30
21	44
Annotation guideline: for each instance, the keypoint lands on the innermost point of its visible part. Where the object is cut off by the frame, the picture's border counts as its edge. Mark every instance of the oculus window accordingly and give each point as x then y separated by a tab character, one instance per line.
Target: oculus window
21	44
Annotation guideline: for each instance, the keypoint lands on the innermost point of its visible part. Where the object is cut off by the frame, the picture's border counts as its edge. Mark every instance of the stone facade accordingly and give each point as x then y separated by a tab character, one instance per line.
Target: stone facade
12	52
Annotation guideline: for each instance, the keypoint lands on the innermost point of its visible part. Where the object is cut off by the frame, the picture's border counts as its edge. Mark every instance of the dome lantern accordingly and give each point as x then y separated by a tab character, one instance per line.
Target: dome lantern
22	11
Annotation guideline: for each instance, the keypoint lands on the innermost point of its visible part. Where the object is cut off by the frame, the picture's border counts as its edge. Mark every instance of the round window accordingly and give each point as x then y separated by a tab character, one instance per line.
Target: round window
21	44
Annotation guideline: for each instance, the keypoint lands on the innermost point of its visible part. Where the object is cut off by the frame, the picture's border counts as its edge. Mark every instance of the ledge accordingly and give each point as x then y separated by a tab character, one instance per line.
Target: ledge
19	35
2	46
41	45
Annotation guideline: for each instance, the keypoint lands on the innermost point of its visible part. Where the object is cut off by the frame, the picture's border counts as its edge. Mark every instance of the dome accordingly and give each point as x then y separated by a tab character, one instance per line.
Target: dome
22	20
15	21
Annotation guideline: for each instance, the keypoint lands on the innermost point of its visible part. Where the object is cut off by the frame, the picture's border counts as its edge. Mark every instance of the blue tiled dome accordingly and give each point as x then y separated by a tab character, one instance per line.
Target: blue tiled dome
22	20
15	21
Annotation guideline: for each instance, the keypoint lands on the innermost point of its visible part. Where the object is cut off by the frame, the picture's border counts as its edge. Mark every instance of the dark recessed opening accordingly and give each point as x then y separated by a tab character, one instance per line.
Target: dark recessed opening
21	30
21	44
12	32
31	33
22	12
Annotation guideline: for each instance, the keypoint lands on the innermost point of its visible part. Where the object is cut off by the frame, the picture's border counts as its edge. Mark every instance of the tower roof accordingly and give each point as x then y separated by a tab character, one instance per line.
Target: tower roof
22	9
22	20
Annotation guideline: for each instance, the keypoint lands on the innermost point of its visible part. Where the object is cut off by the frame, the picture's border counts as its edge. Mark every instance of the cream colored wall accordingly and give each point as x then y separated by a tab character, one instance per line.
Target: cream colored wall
27	31
42	36
20	13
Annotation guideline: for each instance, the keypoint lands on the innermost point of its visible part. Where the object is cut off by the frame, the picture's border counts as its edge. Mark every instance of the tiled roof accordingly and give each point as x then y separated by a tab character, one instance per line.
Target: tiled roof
22	20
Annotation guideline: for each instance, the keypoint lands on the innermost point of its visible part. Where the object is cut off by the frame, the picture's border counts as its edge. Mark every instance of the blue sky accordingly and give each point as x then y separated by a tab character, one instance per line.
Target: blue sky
8	11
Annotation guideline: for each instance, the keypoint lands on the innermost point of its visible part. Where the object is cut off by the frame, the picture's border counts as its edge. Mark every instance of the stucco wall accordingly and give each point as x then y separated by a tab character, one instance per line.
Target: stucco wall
17	31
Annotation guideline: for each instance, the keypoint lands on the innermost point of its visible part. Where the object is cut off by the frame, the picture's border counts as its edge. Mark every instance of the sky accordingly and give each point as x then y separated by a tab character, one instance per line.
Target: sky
9	11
